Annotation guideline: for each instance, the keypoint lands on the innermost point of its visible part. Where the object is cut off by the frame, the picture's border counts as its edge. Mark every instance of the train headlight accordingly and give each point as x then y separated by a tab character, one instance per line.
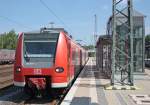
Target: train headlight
18	69
59	69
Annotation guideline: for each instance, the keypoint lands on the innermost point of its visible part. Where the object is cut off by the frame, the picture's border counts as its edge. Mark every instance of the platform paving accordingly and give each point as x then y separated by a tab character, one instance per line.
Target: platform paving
89	89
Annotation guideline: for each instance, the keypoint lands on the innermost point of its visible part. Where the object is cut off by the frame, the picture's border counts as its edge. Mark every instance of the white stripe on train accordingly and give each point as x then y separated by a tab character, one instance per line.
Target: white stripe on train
54	85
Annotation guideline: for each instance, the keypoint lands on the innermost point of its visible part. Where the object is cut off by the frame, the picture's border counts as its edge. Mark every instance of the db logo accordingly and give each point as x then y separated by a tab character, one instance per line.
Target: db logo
37	71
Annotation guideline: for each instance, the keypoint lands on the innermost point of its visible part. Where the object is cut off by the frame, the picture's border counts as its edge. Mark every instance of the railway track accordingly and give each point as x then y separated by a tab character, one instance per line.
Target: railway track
43	101
6	76
6	66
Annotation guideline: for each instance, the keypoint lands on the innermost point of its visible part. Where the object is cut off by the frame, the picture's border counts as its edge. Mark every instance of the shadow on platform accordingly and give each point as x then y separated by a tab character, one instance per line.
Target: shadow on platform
98	74
82	101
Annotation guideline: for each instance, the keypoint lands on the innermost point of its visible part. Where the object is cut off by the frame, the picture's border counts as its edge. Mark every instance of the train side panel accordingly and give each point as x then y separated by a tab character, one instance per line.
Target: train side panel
61	61
18	77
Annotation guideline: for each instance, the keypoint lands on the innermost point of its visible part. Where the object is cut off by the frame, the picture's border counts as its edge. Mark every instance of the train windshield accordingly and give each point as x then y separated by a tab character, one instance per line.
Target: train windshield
39	49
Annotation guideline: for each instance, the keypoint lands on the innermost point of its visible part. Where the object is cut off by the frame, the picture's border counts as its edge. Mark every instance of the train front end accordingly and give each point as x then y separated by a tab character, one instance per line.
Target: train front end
35	66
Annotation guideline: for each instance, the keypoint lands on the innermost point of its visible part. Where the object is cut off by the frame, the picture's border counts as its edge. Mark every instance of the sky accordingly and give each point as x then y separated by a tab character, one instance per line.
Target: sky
76	16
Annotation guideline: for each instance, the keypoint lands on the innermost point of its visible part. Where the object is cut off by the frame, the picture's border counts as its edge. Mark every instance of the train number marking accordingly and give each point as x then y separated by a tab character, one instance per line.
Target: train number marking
37	71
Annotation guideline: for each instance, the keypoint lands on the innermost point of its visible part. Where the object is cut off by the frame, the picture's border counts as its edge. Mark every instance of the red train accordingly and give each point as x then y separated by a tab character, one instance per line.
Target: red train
48	59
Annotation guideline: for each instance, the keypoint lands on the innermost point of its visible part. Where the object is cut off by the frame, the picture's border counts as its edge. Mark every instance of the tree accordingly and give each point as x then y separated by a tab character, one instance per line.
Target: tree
147	38
8	40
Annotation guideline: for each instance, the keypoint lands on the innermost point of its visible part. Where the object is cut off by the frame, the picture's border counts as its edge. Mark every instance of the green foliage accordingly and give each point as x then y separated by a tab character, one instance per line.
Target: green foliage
147	38
8	40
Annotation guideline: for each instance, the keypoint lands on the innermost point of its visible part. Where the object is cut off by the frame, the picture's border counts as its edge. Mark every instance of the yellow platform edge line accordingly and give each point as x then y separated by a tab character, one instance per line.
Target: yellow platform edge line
117	87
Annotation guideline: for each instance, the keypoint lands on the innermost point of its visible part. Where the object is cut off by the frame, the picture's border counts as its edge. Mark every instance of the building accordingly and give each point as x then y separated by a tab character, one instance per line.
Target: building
104	43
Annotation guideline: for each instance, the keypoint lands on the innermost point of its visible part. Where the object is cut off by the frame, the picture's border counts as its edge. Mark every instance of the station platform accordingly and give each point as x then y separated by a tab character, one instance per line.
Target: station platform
89	89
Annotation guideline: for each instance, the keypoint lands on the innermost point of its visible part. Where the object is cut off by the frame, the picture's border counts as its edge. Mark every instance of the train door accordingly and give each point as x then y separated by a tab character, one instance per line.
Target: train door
69	59
80	59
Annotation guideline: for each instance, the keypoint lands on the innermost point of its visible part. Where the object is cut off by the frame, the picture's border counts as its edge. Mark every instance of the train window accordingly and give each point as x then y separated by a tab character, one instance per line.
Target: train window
39	47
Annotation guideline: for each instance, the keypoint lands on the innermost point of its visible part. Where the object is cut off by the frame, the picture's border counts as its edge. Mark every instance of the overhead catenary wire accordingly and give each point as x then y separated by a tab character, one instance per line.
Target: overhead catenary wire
53	13
15	22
